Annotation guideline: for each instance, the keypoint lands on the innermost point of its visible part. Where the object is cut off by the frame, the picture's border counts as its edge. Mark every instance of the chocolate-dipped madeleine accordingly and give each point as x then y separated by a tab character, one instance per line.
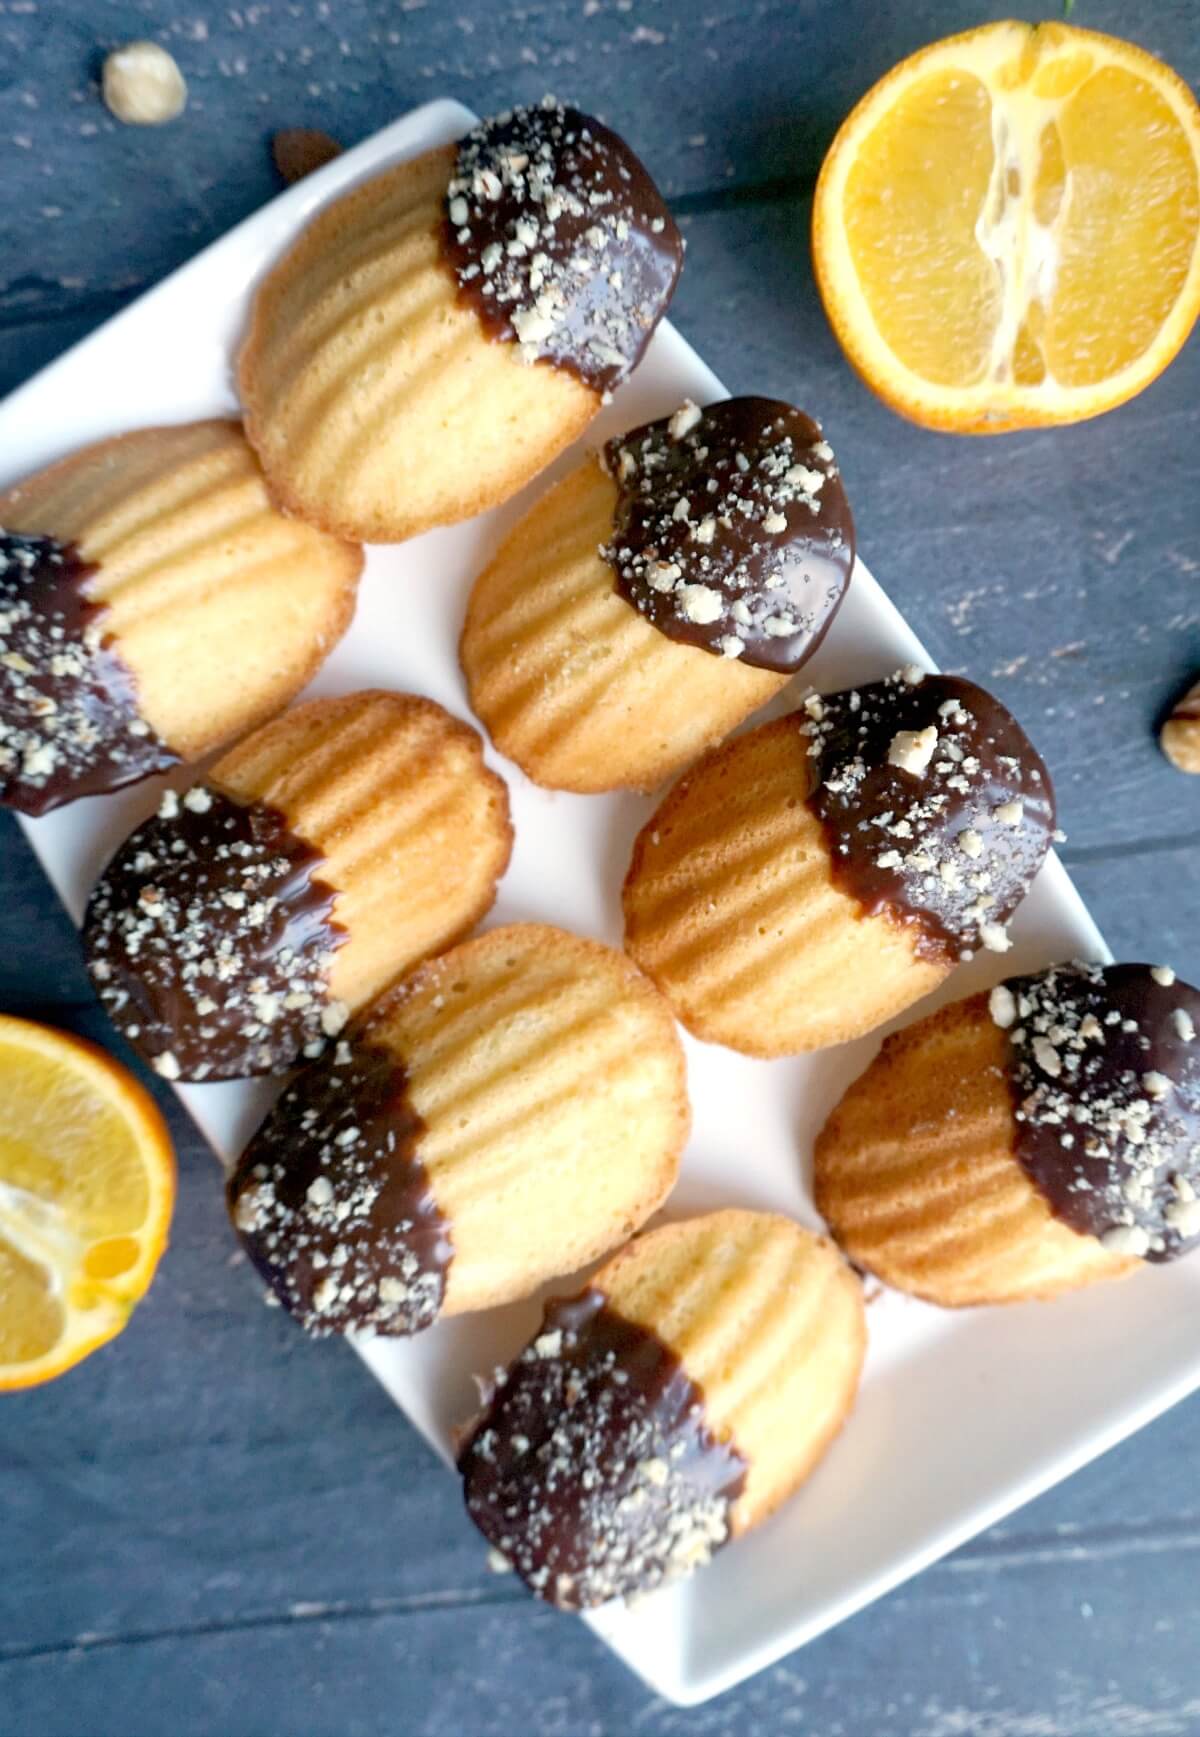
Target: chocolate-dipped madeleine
514	1109
669	1408
237	929
153	606
659	594
440	333
1024	1142
817	875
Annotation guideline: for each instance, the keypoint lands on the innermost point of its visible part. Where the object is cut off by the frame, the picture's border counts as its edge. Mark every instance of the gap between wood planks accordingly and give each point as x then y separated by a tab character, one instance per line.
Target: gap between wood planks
991	1554
1092	853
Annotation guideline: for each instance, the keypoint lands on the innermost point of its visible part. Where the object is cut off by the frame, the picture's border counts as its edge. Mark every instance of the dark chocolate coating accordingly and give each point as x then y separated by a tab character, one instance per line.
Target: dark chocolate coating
209	938
950	849
69	719
1104	1069
560	241
592	1471
333	1204
732	530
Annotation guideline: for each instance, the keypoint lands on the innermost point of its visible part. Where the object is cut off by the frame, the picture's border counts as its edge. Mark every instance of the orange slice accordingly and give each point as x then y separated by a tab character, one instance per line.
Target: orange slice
87	1183
1006	230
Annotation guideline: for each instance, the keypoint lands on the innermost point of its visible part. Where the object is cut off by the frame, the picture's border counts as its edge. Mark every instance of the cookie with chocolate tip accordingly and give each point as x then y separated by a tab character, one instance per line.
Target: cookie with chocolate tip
668	1408
1026	1141
511	1111
439	334
660	594
236	930
153	606
816	876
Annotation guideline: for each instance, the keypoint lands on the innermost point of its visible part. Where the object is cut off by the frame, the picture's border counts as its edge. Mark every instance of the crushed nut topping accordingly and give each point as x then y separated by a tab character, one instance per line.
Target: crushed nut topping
592	1471
560	241
1106	1090
732	531
69	721
209	939
334	1205
936	808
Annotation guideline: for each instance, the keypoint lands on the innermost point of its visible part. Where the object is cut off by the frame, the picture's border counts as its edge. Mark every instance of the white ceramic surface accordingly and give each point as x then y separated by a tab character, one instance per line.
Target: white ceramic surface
961	1416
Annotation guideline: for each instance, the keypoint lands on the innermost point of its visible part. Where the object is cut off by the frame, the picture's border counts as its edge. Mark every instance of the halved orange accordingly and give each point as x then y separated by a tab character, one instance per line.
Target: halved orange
87	1183
1006	230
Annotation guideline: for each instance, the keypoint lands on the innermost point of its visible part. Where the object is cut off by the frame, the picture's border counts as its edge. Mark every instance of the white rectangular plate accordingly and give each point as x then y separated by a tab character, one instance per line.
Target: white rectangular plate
962	1416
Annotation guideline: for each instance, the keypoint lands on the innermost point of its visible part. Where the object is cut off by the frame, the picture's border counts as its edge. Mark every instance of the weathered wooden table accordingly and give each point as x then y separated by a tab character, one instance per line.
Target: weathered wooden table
215	1529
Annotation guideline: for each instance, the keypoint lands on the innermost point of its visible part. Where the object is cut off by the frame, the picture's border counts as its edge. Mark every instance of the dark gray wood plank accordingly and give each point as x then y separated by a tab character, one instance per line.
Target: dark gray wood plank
1041	1635
716	95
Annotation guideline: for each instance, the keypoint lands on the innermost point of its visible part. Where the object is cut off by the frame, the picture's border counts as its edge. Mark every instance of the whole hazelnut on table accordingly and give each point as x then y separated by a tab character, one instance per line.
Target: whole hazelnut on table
142	85
1180	735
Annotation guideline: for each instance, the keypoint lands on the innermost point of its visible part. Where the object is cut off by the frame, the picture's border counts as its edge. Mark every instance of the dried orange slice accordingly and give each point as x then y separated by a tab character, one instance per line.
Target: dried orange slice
1006	230
87	1183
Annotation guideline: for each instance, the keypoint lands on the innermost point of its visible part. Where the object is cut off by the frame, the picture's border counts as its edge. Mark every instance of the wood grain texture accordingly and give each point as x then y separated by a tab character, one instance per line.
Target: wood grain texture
187	1550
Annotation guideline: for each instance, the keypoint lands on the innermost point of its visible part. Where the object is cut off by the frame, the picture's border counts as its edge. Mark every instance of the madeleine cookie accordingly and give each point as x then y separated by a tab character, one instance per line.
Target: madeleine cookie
1024	1143
821	873
670	1407
659	595
511	1111
328	852
441	333
153	605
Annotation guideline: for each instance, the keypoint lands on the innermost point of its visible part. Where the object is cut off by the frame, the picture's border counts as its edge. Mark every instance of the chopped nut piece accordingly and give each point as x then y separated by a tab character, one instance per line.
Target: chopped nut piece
1184	1216
700	603
912	750
1047	1057
684	419
1126	1239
